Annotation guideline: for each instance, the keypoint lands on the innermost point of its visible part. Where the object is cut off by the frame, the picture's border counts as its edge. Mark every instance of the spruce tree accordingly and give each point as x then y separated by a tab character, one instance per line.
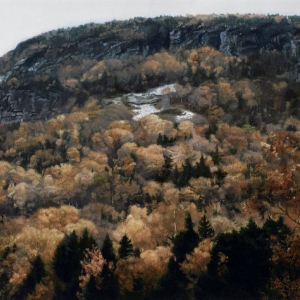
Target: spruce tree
37	272
164	174
277	228
126	248
248	263
86	242
205	230
109	285
168	162
175	175
173	284
107	249
189	225
66	265
38	268
66	261
91	291
220	175
160	139
216	157
202	169
185	241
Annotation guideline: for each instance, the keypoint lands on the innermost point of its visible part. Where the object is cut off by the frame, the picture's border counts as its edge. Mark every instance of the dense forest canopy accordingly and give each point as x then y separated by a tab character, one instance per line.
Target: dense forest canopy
152	159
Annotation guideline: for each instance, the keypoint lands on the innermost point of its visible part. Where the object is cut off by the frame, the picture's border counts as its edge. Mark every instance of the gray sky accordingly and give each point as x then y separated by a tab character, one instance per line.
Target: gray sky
22	19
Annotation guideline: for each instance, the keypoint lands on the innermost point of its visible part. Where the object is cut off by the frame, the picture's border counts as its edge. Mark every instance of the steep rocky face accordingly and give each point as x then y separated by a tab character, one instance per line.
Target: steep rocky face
148	37
240	39
22	105
45	54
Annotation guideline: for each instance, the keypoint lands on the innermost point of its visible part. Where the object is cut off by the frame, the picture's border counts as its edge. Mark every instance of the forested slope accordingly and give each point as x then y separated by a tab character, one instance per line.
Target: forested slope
152	159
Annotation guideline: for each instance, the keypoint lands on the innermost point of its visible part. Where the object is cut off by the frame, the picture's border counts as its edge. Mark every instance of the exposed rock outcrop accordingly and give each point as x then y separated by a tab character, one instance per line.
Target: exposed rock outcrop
29	74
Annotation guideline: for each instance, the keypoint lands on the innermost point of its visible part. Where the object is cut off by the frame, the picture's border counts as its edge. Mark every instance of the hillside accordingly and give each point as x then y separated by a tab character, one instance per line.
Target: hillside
152	159
43	73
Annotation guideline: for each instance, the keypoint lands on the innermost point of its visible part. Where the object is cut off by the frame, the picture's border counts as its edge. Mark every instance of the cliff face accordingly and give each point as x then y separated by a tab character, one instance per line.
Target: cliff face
24	105
241	39
45	54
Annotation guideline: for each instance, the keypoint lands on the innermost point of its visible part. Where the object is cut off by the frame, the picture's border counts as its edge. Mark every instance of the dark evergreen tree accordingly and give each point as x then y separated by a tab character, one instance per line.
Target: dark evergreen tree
160	139
66	265
164	141
110	289
205	230
126	248
185	241
66	258
245	272
136	252
165	173
86	241
212	129
202	170
107	249
216	157
187	168
168	162
91	290
182	180
138	291
175	175
184	177
38	268
277	228
4	279
189	225
5	253
220	175
37	272
173	284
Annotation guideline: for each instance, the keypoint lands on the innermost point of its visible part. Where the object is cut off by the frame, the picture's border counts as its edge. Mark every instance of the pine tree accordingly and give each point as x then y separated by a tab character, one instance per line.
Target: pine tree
189	225
109	285
107	249
160	139
164	174
38	268
277	228
212	129
184	177
86	242
175	175
66	259
205	230
216	157
168	162
91	290
248	263
66	265
185	241
202	170
173	284
220	175
37	272
126	248
182	180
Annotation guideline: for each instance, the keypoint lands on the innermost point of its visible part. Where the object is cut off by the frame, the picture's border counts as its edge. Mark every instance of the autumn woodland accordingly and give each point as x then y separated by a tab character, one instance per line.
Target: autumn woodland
152	159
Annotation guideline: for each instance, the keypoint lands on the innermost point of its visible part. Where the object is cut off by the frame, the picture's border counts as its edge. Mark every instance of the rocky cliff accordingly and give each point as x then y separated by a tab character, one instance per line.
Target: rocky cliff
23	97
